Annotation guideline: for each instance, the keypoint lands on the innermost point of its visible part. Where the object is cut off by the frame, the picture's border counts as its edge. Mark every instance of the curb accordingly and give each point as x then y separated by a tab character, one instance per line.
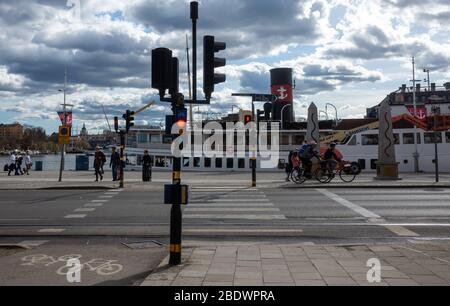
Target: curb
350	186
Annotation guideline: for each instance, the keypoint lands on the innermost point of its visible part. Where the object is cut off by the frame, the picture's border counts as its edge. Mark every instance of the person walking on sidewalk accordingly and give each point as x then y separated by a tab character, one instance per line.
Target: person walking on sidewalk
12	163
114	163
289	166
147	167
99	160
28	163
19	162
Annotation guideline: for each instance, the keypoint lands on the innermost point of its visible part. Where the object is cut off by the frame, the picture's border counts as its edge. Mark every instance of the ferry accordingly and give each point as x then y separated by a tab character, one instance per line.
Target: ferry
357	139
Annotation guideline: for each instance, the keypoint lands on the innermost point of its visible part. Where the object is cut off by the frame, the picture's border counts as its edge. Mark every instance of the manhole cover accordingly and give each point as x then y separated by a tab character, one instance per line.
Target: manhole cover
143	244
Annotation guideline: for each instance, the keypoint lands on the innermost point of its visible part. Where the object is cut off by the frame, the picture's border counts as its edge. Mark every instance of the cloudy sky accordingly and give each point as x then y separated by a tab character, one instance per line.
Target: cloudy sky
350	53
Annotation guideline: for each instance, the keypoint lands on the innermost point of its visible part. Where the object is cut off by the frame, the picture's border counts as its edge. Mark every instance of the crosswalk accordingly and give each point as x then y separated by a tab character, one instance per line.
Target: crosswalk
230	203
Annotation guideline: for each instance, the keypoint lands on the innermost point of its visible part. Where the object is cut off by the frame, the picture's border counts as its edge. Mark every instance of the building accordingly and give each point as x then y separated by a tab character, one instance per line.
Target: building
427	100
14	130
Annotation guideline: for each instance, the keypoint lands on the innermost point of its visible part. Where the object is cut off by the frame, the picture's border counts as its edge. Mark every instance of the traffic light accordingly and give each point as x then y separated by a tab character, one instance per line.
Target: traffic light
210	62
181	118
162	71
129	118
247	119
260	115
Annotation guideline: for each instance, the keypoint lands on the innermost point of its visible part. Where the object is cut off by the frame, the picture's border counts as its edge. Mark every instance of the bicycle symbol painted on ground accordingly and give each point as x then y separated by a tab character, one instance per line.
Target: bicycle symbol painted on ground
102	267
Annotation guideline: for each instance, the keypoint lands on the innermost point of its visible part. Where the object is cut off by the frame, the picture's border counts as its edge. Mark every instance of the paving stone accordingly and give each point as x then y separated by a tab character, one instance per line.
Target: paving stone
303	276
188	273
152	283
243	263
339	281
218	284
401	282
248	275
219	277
303	269
428	280
302	282
277	279
247	282
188	281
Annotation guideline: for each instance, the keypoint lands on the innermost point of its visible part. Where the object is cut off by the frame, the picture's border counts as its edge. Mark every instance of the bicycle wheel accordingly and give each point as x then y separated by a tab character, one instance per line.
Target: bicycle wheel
297	176
109	269
323	176
347	174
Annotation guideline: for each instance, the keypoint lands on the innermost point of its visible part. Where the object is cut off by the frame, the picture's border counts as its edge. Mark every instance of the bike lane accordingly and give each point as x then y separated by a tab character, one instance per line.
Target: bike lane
79	262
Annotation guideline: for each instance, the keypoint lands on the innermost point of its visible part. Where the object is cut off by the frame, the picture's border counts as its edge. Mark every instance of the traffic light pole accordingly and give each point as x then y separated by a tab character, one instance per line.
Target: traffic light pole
122	157
254	150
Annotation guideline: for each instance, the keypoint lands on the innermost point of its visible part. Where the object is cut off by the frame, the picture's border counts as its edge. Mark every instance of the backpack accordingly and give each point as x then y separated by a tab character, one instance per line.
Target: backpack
304	151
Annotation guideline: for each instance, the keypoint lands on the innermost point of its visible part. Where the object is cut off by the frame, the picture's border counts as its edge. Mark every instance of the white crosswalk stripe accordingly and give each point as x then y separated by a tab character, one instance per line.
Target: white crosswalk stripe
230	203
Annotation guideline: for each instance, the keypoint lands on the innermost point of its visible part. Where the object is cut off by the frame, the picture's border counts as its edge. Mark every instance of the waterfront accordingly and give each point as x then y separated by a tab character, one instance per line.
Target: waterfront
51	162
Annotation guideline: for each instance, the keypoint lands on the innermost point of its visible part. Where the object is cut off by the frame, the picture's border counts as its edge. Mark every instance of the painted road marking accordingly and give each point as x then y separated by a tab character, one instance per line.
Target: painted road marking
201	204
99	201
401	231
105	197
93	205
51	230
84	210
356	208
241	230
398	230
237	200
236	217
226	209
75	216
32	243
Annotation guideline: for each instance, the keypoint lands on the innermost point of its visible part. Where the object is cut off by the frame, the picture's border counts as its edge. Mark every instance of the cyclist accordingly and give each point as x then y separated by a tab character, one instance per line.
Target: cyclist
331	158
306	153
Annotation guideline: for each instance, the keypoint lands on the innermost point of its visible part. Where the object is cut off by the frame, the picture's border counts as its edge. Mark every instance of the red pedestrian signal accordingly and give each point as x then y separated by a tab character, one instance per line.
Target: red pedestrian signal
247	119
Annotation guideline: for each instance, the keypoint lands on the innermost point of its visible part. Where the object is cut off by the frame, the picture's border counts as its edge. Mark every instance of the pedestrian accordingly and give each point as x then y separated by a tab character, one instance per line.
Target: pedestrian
146	167
289	166
114	163
19	162
12	163
306	153
99	159
28	163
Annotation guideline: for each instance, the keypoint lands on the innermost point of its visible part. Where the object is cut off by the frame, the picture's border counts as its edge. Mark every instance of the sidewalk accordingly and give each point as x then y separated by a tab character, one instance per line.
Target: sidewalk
133	179
303	265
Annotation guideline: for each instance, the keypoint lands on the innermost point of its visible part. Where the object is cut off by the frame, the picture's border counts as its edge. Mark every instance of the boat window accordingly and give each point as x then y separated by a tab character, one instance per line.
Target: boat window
285	140
408	138
447	137
197	162
352	141
369	140
230	163
207	162
186	162
241	163
430	137
218	162
362	163
397	139
373	164
160	162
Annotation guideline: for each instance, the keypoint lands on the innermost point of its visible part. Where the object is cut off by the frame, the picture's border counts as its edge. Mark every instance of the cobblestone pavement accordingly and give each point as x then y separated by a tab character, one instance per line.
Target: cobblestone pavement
412	264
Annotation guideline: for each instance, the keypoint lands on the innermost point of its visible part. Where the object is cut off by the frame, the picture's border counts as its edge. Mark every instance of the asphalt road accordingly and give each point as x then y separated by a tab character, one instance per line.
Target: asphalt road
232	213
94	225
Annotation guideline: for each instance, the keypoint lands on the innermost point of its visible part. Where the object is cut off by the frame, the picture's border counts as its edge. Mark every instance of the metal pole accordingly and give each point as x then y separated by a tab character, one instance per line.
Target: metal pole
254	153
436	156
63	147
194	17
191	116
416	151
175	212
122	159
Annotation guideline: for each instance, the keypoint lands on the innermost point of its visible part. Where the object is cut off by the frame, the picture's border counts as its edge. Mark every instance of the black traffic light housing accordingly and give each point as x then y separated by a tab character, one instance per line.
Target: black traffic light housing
129	119
210	62
162	71
116	124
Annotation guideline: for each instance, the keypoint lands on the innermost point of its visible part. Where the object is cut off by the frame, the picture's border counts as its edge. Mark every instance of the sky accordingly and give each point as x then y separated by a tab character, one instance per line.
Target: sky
350	53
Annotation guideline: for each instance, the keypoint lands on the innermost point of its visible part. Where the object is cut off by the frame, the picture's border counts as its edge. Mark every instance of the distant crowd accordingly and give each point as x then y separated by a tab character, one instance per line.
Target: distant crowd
19	164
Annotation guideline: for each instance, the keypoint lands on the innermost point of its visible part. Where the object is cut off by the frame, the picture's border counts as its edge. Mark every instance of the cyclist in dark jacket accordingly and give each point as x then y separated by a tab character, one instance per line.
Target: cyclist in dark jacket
331	157
307	153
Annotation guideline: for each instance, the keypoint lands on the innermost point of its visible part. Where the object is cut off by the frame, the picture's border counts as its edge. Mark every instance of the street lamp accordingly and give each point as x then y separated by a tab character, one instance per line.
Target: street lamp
416	151
335	109
322	112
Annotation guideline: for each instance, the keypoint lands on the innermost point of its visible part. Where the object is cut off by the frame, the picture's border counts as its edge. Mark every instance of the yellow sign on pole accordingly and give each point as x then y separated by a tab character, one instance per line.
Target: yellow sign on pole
64	135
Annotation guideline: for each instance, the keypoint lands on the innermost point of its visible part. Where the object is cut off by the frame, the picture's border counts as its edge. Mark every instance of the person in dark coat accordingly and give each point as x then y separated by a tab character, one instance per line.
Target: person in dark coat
114	164
99	160
146	167
289	166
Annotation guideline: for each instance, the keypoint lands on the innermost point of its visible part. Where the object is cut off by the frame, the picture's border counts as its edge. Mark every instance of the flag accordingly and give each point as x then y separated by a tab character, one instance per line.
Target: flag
68	118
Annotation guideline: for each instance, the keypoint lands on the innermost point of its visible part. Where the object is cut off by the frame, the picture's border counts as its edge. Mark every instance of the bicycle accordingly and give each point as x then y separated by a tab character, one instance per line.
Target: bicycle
298	175
346	171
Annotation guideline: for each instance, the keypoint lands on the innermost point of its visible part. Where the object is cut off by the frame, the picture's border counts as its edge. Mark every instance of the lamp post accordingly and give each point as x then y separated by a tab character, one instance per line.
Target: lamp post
322	112
427	71
63	147
416	151
335	109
